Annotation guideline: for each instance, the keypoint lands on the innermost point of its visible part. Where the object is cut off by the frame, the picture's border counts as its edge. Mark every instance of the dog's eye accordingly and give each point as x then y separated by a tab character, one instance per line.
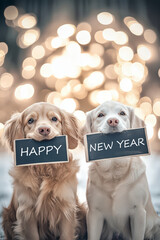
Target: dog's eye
122	113
30	121
54	119
100	115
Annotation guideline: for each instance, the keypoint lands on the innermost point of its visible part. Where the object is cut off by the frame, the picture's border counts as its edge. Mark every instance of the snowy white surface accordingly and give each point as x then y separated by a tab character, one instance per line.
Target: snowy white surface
153	174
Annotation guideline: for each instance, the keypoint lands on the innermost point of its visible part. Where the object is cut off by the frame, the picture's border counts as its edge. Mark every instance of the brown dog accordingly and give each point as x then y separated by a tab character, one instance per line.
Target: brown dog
44	204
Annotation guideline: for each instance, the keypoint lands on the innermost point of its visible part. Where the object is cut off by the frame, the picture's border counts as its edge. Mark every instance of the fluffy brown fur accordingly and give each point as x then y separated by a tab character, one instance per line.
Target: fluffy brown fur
44	203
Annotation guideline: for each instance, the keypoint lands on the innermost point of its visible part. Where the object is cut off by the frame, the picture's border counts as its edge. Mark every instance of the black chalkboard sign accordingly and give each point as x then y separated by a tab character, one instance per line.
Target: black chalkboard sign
29	151
100	146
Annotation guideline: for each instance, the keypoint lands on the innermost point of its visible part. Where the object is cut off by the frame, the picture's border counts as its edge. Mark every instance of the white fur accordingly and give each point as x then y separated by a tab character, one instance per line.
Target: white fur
117	190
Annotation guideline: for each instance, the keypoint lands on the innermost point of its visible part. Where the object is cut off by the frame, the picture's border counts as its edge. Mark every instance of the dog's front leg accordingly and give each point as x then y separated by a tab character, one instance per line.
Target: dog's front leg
138	223
94	224
67	228
26	227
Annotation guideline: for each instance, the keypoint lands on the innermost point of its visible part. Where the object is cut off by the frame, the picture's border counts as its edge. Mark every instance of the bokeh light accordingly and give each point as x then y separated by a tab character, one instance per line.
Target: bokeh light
24	92
6	80
98	60
150	36
11	13
66	31
105	18
126	53
83	37
38	52
27	21
143	52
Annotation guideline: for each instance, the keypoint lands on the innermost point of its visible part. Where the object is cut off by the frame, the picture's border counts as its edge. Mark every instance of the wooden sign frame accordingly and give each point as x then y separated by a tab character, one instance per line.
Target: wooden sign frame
113	136
41	154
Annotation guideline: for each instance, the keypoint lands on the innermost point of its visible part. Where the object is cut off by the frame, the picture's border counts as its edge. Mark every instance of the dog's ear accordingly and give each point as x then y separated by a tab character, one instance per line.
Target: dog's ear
13	130
135	122
88	124
71	128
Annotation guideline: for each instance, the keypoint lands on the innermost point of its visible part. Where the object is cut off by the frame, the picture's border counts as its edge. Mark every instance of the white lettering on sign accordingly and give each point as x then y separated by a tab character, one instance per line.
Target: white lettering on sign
127	143
101	146
28	152
57	148
24	151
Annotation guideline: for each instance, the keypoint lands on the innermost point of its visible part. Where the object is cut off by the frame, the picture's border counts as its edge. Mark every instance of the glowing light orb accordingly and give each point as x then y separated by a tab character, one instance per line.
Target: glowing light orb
66	31
83	37
23	92
143	52
126	85
126	53
11	13
105	18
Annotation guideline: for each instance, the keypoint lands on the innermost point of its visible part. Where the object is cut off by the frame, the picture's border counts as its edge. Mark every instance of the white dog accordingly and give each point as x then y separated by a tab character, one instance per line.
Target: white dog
117	193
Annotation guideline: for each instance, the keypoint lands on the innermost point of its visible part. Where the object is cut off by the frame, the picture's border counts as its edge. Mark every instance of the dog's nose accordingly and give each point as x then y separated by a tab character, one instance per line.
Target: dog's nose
113	122
44	131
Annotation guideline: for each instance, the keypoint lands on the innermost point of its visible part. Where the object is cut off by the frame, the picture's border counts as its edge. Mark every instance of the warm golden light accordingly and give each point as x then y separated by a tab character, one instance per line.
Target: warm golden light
81	116
150	36
143	52
105	18
150	132
121	38
11	13
46	70
139	113
137	71
69	104
23	92
54	98
79	91
126	85
109	34
110	72
94	80
96	48
38	52
146	108
73	48
3	49
28	72
63	67
132	98
30	37
6	80
103	96
66	31
84	26
58	42
136	28
83	37
127	69
151	120
126	53
99	37
27	21
156	107
29	62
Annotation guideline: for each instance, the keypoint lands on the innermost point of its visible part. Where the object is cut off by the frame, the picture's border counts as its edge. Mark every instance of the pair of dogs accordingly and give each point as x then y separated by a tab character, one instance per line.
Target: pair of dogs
44	204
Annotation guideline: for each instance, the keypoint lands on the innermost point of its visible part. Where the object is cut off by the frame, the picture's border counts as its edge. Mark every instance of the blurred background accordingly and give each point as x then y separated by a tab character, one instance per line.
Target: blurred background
76	55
